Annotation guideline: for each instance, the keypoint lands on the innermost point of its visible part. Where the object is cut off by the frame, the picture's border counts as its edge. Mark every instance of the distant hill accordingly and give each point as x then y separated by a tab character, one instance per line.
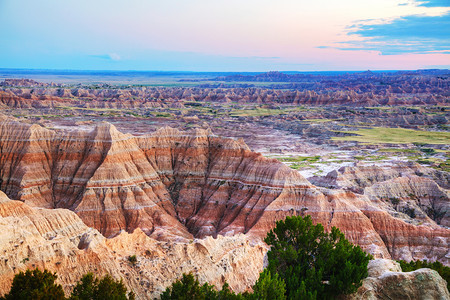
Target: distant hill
275	76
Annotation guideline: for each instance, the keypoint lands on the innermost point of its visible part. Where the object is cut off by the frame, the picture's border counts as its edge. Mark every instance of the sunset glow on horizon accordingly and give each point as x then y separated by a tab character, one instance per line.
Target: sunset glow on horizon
221	35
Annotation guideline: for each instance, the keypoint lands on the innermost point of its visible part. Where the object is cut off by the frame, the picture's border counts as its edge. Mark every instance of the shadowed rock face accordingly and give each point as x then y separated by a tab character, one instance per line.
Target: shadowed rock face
174	185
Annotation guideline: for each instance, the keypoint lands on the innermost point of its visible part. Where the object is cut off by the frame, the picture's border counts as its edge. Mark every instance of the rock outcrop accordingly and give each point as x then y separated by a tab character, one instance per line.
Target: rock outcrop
387	281
408	190
23	82
175	186
359	177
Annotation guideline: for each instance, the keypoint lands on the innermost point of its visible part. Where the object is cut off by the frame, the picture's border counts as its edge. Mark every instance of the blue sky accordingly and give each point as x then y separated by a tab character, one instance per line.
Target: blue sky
410	34
224	35
434	3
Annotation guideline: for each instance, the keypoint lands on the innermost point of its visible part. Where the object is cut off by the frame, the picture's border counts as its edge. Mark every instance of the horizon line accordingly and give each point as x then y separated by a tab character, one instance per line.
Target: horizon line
188	71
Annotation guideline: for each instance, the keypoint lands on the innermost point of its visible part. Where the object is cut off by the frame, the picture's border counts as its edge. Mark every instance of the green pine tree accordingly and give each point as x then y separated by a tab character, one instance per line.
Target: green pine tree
313	263
91	288
35	284
188	287
269	287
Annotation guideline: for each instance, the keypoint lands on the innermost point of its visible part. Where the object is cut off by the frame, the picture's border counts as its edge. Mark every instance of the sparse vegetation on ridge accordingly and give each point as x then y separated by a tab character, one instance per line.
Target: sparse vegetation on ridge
132	259
296	162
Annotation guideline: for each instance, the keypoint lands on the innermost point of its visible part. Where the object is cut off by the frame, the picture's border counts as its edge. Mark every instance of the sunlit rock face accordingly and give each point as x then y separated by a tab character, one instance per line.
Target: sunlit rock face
175	185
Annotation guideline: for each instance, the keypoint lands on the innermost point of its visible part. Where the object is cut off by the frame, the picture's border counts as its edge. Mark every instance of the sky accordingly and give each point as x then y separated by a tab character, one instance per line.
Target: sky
225	35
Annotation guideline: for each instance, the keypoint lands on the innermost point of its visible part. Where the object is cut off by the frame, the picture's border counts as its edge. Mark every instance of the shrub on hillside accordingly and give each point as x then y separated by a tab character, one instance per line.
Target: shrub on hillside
268	286
40	285
132	259
189	288
91	288
35	284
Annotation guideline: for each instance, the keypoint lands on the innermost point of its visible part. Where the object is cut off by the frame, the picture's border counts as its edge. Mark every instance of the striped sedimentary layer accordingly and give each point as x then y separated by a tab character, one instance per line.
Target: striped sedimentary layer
173	184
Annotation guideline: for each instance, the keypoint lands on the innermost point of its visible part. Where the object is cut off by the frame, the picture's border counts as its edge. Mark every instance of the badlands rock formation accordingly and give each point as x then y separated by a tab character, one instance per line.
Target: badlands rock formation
23	83
348	90
357	178
175	186
58	240
418	193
